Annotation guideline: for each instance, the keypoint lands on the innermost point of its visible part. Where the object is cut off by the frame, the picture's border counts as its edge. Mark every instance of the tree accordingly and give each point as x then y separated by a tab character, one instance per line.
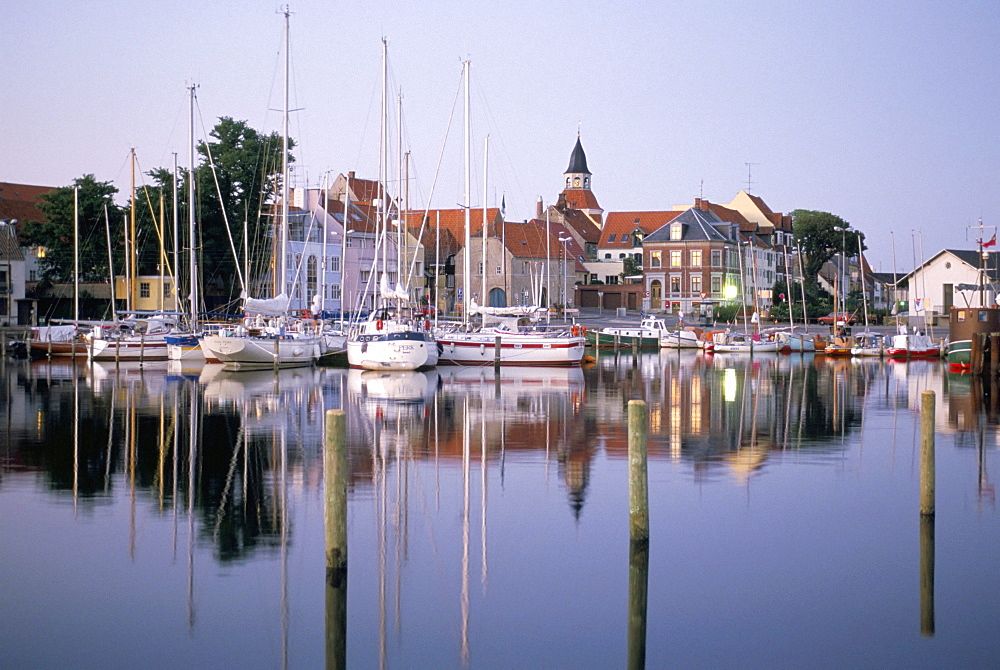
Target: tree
630	267
820	236
55	233
248	173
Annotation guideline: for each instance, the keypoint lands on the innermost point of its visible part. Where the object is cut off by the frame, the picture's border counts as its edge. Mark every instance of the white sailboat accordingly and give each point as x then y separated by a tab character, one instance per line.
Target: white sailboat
502	340
390	338
280	340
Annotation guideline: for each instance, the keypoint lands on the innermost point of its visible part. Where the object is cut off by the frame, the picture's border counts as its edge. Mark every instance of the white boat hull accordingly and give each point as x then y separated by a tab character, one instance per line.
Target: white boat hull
480	348
245	352
400	350
681	339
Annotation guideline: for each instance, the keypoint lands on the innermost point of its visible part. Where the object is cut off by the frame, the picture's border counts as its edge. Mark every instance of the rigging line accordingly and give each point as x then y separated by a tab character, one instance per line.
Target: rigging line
503	147
437	173
222	204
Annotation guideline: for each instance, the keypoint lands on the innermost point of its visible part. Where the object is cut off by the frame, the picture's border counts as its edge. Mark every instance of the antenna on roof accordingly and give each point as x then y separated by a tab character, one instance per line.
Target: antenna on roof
701	189
749	181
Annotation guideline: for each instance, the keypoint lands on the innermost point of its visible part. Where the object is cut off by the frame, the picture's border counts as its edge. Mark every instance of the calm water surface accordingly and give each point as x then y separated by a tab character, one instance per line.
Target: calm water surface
169	517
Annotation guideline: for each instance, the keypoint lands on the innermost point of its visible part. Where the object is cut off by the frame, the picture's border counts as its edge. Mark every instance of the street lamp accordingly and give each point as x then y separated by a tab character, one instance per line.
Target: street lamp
563	241
343	274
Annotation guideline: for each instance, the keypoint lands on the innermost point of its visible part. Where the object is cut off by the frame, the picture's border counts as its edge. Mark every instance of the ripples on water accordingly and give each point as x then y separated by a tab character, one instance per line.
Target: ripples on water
162	515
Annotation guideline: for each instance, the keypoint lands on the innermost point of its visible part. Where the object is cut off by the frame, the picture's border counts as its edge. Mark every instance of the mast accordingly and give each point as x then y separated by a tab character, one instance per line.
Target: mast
177	276
548	270
76	255
466	265
282	268
132	255
111	263
383	174
192	257
486	165
864	293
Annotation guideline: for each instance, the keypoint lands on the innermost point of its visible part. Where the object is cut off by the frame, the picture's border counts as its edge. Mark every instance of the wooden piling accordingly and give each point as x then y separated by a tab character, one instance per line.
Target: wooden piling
335	478
496	354
277	353
618	342
976	354
926	453
638	589
994	353
638	493
927	576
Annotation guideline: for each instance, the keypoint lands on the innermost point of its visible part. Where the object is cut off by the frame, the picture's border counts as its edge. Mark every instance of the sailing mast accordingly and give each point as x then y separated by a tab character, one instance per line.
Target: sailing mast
466	266
282	269
486	164
192	257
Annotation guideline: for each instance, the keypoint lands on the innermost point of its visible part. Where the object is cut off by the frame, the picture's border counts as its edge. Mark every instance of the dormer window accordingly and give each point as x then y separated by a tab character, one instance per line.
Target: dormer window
675	231
611	238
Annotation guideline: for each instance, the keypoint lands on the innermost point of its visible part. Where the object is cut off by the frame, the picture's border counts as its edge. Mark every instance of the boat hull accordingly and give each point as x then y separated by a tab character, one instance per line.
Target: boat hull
254	353
520	349
395	351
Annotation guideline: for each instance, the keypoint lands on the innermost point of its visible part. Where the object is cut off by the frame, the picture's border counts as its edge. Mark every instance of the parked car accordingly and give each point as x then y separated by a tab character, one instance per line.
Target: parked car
838	317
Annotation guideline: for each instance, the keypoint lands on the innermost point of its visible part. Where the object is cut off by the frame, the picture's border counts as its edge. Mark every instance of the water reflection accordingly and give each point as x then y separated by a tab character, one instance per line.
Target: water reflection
441	463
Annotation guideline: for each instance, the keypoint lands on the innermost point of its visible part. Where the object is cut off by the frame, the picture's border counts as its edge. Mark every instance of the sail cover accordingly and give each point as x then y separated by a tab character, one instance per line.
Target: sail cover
275	306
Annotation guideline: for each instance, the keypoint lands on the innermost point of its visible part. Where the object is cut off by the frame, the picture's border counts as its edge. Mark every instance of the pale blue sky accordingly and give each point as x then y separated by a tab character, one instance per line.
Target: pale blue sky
884	113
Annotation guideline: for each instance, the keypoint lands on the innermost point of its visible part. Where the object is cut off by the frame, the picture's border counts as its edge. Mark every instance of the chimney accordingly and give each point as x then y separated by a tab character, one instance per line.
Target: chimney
350	175
697	203
538	208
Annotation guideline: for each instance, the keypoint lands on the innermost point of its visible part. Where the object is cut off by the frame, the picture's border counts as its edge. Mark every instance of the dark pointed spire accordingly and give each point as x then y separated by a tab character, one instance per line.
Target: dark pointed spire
578	159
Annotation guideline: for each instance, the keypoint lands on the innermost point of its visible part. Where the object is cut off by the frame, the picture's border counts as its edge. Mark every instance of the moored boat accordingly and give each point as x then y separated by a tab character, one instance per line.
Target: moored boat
647	335
965	323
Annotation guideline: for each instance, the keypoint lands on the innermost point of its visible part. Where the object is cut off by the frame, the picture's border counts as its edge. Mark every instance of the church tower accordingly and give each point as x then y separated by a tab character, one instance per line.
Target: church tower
577	174
577	193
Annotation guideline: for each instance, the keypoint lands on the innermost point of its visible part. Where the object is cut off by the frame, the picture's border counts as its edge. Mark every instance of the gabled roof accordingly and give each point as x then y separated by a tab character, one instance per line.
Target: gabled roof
623	224
584	224
579	198
696	225
20	201
577	159
527	240
452	222
10	250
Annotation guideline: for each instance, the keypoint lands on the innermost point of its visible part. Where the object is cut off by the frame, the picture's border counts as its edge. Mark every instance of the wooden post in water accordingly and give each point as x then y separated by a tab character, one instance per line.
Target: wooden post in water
927	575
618	342
335	524
638	493
277	346
926	453
496	354
638	588
976	354
994	353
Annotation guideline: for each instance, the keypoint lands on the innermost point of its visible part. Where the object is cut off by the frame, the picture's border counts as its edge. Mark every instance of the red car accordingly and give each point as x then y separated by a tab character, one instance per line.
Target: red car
839	317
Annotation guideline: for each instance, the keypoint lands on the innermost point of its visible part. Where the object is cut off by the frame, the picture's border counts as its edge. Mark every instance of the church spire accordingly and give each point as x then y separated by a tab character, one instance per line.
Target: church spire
577	174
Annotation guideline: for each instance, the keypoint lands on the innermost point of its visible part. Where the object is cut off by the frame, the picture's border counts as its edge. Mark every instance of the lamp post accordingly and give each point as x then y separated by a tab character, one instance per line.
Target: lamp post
563	241
343	274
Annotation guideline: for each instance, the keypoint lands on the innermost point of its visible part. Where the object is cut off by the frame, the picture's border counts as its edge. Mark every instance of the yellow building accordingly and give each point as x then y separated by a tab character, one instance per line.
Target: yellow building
151	293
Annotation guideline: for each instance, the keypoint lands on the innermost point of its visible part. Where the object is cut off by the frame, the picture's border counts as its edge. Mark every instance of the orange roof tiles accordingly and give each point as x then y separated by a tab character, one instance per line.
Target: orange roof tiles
622	224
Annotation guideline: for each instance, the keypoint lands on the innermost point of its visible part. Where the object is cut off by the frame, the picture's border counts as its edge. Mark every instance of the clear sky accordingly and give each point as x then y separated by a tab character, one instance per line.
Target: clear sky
883	112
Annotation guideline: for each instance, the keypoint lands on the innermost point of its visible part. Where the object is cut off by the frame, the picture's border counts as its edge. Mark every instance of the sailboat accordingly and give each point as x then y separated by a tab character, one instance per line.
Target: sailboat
271	337
867	342
501	340
390	338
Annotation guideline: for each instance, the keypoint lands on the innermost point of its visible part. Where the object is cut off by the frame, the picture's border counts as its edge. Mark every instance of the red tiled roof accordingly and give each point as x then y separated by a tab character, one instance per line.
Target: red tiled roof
622	224
527	240
20	201
581	198
452	222
583	224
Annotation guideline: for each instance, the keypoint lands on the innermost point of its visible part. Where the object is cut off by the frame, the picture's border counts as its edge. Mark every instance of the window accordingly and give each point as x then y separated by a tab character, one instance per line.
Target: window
655	259
499	270
607	257
675	258
334	263
479	268
593	278
675	231
696	285
696	257
611	238
716	285
312	278
611	279
350	242
335	292
166	289
716	258
144	289
621	257
365	276
675	284
33	275
524	267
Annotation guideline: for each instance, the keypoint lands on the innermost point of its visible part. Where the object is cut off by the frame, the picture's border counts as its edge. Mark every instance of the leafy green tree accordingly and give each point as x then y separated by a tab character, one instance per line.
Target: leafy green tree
630	267
244	187
820	236
55	233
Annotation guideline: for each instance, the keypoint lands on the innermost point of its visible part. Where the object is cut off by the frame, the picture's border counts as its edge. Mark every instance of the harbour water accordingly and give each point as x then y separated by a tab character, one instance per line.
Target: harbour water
158	516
